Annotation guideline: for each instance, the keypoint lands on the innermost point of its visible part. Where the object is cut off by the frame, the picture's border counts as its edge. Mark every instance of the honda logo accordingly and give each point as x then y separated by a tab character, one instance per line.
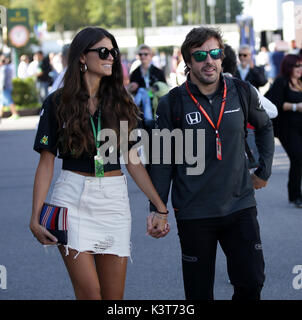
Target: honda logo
193	117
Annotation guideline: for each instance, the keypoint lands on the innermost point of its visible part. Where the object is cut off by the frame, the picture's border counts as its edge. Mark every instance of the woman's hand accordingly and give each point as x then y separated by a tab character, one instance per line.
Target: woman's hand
42	234
157	225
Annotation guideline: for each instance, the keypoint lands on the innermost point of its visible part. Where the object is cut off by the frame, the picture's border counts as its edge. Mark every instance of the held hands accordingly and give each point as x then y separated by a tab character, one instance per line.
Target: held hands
42	235
258	183
157	225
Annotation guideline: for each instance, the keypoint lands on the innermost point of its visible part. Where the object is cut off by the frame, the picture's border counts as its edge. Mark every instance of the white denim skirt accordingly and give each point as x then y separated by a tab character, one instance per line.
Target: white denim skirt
99	217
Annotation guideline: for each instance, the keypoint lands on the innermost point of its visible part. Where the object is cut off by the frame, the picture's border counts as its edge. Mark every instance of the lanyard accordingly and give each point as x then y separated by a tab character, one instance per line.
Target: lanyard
96	135
198	105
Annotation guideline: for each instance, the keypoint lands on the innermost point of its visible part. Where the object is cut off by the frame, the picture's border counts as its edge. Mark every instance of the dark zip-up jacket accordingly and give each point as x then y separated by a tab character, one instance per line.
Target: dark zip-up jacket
225	186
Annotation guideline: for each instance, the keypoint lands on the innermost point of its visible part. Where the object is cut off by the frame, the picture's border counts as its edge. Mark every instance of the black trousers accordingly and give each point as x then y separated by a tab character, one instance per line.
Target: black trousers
293	147
239	237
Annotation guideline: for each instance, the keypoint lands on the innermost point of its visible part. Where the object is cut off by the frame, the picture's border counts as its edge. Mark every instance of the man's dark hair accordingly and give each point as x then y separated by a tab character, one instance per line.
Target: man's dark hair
195	38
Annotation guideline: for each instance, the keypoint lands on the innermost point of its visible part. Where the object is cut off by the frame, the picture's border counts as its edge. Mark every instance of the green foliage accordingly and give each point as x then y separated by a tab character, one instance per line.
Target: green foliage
25	93
33	9
63	15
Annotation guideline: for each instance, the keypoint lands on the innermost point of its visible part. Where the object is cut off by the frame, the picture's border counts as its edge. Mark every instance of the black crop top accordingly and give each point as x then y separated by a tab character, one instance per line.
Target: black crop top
47	138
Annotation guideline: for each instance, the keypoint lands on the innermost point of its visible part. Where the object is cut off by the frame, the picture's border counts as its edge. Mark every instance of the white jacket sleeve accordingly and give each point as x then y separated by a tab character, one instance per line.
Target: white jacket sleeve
268	106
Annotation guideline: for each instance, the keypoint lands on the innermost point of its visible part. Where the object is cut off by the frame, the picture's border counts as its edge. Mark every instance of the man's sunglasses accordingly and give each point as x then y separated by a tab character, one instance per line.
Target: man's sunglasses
243	55
104	52
141	54
201	55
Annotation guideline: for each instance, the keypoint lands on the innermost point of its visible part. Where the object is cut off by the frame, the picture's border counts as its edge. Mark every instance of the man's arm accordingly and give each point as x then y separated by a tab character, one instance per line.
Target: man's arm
161	174
264	136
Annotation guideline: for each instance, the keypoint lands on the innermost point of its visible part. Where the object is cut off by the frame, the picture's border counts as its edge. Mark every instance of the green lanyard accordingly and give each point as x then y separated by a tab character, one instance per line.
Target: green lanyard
97	137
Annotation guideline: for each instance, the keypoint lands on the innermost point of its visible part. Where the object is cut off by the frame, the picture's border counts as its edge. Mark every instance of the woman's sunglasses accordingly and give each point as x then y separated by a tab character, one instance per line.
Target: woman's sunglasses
298	65
104	52
201	55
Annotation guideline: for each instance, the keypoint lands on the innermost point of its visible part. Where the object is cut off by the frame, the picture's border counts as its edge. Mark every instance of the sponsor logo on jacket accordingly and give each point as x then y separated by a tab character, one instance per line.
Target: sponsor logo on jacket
193	118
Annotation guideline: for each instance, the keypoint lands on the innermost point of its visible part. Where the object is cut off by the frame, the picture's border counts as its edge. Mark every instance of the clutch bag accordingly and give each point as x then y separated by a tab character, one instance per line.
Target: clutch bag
54	219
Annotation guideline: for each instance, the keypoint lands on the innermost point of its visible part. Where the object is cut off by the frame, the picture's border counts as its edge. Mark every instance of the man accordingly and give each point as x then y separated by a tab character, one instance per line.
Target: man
218	204
40	68
247	71
141	81
58	83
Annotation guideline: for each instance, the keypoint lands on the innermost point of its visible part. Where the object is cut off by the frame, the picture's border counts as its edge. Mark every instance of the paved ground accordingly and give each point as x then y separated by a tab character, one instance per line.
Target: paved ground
155	273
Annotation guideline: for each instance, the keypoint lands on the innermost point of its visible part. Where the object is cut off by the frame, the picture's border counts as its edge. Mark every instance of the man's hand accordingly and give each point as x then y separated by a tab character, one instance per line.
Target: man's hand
157	225
258	182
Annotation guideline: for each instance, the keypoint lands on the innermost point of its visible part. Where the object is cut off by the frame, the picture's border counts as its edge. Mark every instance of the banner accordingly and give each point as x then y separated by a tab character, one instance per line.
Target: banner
17	27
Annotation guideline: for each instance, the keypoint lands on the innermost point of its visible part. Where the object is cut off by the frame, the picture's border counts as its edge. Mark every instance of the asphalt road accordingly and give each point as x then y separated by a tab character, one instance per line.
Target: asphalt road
155	270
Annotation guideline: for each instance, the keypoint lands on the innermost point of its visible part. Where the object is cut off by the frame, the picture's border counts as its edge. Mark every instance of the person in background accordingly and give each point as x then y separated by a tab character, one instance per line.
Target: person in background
34	64
58	83
23	67
142	80
73	118
286	94
277	53
44	79
124	63
263	60
247	70
229	67
8	88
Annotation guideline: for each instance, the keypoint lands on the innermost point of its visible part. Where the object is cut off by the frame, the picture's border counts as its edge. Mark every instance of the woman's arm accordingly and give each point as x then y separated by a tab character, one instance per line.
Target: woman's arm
289	106
140	176
44	174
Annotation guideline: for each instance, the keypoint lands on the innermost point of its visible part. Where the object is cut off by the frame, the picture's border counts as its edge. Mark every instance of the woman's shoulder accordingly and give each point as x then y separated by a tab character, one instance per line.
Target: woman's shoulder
53	98
51	102
281	80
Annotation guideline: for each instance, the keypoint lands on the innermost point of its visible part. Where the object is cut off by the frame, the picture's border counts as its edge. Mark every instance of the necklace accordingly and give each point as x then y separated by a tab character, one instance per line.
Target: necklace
296	86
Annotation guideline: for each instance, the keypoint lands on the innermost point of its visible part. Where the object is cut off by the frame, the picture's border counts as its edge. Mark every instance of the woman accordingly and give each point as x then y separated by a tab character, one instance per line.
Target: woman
99	220
286	94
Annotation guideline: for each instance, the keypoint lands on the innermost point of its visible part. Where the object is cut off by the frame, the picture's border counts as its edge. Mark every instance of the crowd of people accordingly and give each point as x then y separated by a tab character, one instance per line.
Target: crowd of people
45	69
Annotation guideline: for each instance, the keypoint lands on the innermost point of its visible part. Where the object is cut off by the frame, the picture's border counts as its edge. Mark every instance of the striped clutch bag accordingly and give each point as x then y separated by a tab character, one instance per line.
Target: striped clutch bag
54	219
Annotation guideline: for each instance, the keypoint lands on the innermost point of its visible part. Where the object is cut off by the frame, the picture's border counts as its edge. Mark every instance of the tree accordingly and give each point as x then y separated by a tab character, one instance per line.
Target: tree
107	13
33	12
63	15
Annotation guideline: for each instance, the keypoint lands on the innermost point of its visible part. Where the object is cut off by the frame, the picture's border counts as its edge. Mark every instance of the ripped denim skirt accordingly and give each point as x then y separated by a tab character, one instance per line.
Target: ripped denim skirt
99	217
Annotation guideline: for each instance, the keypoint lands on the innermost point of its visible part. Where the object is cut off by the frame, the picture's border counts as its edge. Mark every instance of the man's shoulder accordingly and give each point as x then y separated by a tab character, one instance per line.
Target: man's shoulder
154	69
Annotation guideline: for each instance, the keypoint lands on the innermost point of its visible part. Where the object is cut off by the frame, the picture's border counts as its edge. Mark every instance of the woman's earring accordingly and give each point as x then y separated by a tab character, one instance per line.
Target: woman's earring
83	67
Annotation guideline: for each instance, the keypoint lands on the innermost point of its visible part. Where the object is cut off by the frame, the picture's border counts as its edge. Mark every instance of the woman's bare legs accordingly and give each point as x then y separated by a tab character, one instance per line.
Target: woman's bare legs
111	270
96	276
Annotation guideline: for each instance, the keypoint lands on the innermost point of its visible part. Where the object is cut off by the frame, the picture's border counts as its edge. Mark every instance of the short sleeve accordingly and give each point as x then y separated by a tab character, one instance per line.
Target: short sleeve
47	132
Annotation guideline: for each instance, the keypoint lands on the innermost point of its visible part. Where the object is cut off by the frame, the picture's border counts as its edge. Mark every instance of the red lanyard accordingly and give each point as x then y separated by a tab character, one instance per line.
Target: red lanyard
198	105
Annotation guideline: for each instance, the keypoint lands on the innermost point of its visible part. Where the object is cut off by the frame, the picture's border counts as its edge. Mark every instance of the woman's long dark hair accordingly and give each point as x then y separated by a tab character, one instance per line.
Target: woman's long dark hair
115	102
287	65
